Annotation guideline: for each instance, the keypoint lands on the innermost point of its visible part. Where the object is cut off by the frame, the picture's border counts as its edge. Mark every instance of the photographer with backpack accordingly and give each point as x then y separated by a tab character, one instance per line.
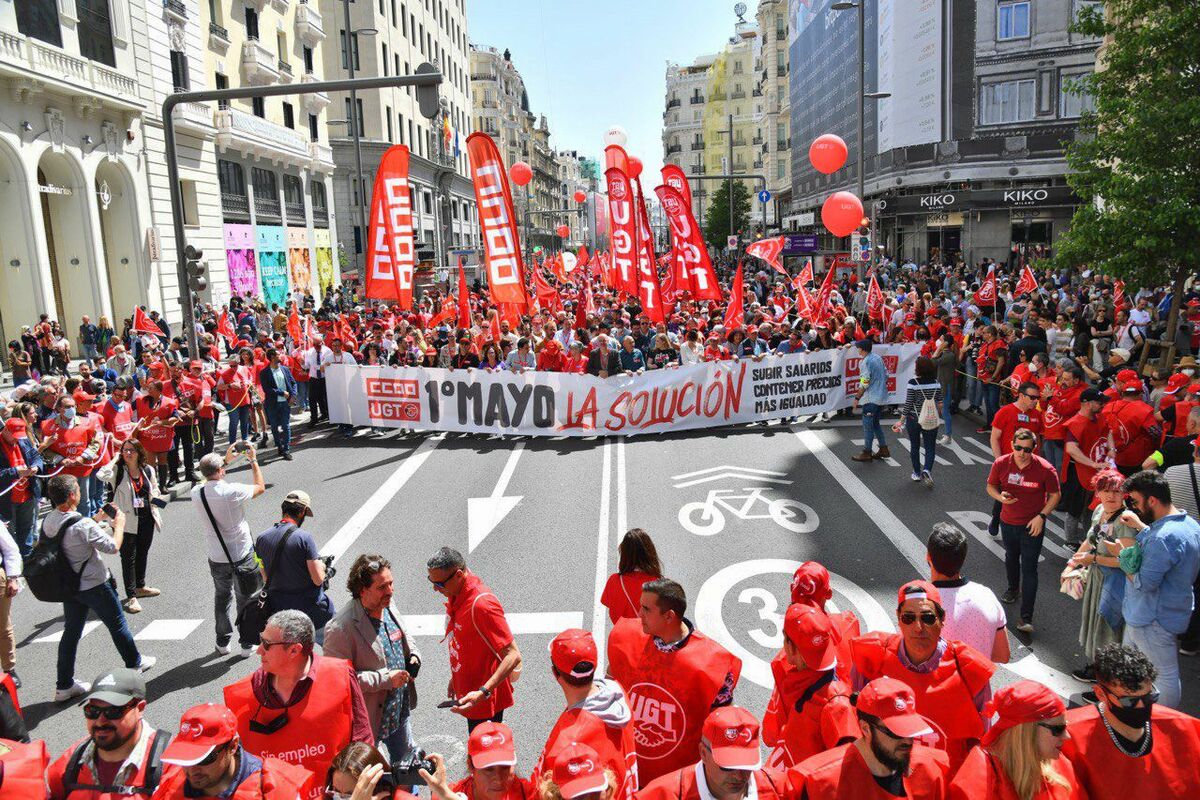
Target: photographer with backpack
66	567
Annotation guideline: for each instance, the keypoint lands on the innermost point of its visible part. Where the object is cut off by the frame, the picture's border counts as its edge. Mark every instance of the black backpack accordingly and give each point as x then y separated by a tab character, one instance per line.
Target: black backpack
47	570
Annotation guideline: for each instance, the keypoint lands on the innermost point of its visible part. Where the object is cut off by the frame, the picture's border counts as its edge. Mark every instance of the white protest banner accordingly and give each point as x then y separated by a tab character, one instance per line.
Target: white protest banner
557	404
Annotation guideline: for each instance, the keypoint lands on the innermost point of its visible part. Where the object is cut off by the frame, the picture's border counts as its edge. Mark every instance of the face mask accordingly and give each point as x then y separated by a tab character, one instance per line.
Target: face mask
68	414
1135	717
1188	372
1033	368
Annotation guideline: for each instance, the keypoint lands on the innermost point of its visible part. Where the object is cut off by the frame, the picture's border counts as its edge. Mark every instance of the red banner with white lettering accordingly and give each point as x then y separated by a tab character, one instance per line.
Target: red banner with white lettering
875	302
734	315
649	292
986	296
390	258
498	222
768	250
624	237
688	246
673	176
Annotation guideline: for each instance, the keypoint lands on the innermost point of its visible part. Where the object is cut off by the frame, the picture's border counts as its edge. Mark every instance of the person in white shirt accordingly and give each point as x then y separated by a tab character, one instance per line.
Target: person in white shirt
314	363
691	351
974	615
230	548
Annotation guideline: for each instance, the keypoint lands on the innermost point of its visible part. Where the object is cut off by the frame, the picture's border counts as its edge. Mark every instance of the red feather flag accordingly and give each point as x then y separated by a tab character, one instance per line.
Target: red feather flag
692	267
734	315
649	291
498	220
623	217
464	297
768	250
986	296
1028	283
143	324
390	249
875	302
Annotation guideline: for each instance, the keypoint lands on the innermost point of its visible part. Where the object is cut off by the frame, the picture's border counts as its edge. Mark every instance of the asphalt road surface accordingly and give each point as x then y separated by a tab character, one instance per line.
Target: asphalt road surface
732	511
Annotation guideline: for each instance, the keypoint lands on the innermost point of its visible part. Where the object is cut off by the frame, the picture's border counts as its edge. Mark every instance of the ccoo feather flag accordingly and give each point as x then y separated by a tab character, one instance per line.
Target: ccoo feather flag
498	220
390	248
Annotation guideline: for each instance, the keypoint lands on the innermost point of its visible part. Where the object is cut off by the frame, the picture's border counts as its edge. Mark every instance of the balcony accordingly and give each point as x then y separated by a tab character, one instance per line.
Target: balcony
696	100
757	93
218	39
281	6
757	140
308	24
674	148
314	102
285	71
766	148
483	76
267	209
176	9
295	213
698	169
254	136
717	97
259	64
738	94
257	5
782	144
781	71
32	63
674	102
236	206
321	156
195	117
697	146
489	103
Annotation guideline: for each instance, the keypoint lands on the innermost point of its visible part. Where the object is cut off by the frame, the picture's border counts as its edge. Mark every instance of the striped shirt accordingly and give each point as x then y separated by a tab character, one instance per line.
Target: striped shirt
917	394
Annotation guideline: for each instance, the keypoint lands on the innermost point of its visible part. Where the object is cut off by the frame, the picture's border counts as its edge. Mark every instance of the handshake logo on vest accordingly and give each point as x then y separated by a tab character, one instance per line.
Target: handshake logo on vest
658	720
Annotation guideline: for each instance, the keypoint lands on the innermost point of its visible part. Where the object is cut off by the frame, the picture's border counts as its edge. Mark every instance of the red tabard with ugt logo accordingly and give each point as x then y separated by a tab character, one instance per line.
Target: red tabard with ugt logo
614	745
318	726
670	693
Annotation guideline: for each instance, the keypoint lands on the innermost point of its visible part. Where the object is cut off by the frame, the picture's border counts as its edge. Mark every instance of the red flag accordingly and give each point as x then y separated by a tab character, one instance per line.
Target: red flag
875	302
583	257
986	296
224	325
734	316
689	247
449	310
1028	283
510	313
806	274
494	326
556	266
143	324
390	256
546	294
649	292
821	311
768	250
293	325
583	306
805	305
464	297
1118	294
624	237
673	176
346	334
498	220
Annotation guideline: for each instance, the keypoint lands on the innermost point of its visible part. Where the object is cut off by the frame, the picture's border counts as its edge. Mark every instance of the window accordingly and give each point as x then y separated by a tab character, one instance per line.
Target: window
266	192
39	19
400	124
179	71
289	117
1012	20
1073	102
251	23
427	201
95	31
191	211
354	44
403	23
1010	101
385	60
293	198
221	82
231	177
281	45
319	203
308	61
313	131
1080	5
388	116
357	239
214	12
259	106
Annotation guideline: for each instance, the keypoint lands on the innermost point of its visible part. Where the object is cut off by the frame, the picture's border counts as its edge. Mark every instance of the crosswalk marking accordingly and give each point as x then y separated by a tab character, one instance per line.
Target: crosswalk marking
56	634
168	630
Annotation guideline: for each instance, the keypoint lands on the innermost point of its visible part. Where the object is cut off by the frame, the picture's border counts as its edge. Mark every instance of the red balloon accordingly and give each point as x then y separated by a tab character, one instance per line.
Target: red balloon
842	213
635	167
827	153
562	231
521	173
580	195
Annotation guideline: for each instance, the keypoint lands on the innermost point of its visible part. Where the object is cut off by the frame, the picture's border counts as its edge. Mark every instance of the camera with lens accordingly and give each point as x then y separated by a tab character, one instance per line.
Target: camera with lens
330	570
404	771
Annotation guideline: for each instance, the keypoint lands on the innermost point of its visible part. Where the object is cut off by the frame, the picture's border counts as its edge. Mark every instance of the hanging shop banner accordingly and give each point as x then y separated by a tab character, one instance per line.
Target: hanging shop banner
240	260
324	245
703	395
299	259
390	258
272	264
498	221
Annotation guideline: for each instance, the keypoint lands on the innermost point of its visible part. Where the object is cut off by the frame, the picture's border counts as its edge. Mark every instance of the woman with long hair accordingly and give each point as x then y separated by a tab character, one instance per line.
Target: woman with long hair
638	564
356	772
136	494
1020	757
922	387
104	336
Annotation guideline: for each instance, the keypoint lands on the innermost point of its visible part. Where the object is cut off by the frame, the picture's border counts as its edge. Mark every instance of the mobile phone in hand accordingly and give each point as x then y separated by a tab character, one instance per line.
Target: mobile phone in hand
109	510
450	703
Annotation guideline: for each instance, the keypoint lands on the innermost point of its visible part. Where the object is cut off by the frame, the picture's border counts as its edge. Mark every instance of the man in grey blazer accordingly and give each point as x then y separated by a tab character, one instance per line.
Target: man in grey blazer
369	633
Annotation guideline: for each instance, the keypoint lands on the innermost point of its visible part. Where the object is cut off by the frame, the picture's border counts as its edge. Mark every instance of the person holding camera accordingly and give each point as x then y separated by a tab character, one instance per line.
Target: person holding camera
491	769
360	772
136	494
369	634
298	573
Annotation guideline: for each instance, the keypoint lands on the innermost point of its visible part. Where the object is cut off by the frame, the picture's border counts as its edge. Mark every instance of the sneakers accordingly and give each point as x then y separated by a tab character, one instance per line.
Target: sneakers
1084	674
147	663
1011	596
77	690
863	457
883	452
131	605
1183	651
287	456
222	649
943	439
983	430
927	479
915	477
146	591
1025	627
246	651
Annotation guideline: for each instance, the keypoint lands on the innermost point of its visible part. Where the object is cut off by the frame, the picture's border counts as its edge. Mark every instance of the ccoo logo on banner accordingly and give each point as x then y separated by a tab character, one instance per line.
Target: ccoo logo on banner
557	404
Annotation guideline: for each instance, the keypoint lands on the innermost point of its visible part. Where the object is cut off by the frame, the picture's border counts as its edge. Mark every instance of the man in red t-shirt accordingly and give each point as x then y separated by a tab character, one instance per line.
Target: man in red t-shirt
1086	453
1021	413
1027	488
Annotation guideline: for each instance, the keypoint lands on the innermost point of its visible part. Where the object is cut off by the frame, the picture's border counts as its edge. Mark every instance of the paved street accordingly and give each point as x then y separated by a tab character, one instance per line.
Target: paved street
732	512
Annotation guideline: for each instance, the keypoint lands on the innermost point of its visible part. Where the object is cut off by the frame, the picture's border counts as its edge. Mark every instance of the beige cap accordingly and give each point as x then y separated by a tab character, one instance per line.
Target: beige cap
302	498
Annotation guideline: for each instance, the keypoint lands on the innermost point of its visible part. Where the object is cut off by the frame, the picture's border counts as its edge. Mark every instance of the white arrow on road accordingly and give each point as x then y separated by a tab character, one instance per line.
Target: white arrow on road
485	513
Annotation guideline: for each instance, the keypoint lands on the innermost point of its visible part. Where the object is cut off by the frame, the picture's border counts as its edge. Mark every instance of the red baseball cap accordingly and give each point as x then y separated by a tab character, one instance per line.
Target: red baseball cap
918	590
1194	388
1134	385
578	770
1176	382
1127	375
573	652
491	745
201	729
732	733
895	705
1018	703
811	632
810	584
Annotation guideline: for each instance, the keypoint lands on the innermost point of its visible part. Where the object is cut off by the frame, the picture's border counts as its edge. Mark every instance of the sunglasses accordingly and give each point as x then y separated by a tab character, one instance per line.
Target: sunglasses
274	726
442	584
1023	449
267	644
212	757
1056	730
110	713
1131	701
1034	396
927	618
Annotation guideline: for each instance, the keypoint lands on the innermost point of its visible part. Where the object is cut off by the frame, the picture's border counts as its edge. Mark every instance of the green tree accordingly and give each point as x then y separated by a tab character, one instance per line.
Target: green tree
1135	162
716	218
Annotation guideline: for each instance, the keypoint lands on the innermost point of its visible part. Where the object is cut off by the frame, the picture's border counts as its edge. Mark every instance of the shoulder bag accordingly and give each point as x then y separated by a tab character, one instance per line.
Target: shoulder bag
252	618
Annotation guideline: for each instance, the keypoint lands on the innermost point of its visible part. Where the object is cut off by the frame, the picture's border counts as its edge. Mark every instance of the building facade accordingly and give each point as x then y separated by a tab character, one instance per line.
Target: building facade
394	37
687	90
733	111
966	159
771	63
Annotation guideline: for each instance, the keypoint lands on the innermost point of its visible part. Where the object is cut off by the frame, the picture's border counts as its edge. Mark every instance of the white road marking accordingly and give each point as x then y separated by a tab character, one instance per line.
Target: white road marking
168	630
56	634
349	532
890	461
485	513
599	612
907	445
519	623
734	472
622	519
976	523
725	467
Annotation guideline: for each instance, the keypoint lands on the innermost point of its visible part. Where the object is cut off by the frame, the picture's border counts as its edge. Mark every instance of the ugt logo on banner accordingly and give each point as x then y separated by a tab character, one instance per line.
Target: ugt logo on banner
392	399
890	363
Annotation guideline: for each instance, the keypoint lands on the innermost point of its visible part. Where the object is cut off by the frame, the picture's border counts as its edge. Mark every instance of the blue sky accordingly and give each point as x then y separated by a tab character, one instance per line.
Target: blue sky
589	64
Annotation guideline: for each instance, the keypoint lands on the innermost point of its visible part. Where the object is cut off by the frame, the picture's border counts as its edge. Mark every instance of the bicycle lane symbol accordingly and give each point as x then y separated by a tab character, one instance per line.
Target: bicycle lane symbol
707	517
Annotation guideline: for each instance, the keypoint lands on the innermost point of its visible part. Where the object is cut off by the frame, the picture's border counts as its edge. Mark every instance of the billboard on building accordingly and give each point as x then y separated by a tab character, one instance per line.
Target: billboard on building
909	46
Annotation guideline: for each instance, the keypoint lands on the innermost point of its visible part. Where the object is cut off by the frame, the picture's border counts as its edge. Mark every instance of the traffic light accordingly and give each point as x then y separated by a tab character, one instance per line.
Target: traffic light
427	96
195	269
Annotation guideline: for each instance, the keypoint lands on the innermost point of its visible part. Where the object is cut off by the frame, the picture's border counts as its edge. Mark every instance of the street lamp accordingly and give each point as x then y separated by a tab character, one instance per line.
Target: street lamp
863	95
355	133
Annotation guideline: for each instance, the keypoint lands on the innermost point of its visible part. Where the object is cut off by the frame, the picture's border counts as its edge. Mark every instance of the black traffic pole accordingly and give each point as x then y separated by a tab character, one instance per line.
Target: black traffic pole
427	98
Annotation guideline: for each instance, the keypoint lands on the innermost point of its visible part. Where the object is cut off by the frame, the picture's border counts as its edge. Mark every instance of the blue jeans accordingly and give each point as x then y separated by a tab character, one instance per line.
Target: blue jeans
302	395
1021	552
974	387
948	402
279	417
918	436
400	742
95	493
84	506
871	427
1052	451
1161	647
239	419
991	402
103	600
22	524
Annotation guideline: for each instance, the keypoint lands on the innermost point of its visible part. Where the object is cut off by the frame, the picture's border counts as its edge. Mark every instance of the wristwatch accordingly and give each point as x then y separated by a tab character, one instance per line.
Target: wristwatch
486	692
1043	516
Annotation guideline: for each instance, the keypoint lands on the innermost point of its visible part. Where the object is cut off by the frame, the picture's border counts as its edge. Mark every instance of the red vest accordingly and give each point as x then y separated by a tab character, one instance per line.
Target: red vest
156	438
85	781
842	774
318	726
945	695
1182	409
199	392
118	419
670	693
238	380
24	770
1092	438
681	784
1128	421
615	746
1063	405
1105	773
71	443
825	718
982	777
277	780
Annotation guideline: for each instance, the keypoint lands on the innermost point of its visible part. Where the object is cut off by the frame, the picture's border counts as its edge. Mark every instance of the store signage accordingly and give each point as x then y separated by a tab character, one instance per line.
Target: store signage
804	243
978	199
49	188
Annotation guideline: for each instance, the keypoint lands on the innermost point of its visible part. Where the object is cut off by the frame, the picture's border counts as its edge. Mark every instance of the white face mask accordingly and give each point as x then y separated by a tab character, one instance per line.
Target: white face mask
1189	372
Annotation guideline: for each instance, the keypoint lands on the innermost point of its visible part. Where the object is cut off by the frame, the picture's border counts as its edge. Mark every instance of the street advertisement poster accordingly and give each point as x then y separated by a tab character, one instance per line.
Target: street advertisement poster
272	264
910	67
706	395
298	259
240	260
324	247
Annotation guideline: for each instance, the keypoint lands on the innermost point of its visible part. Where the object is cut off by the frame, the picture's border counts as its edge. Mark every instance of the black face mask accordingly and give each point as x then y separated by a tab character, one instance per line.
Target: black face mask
1135	717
